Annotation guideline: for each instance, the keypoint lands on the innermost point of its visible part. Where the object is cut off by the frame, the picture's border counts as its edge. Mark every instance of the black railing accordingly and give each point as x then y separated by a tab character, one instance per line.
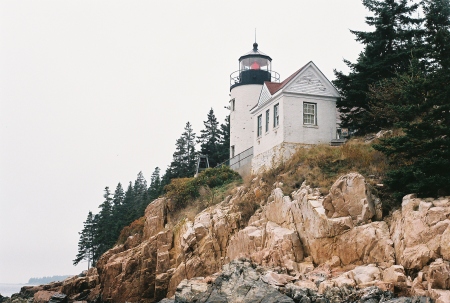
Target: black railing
235	77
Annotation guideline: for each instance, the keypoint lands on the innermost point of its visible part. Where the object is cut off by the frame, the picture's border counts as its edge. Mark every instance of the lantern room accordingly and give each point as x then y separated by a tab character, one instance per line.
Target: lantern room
254	68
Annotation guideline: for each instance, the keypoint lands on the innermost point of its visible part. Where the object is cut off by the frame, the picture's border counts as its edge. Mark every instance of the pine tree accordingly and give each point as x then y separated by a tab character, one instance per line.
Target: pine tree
118	213
388	50
437	26
190	157
86	246
128	205
155	188
209	139
183	162
421	155
223	152
140	196
104	238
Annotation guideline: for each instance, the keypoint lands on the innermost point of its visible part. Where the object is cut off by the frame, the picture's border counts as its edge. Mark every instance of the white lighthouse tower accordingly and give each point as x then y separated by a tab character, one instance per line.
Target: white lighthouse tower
245	89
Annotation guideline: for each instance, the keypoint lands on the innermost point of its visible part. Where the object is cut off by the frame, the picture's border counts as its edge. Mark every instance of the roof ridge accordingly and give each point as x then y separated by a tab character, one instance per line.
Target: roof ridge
275	87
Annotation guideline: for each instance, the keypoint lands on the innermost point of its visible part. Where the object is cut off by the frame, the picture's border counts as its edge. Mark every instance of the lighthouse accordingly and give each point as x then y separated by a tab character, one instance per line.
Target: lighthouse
270	120
245	88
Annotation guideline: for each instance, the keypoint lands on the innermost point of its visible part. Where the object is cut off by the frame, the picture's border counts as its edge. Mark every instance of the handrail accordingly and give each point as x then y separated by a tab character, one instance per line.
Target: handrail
235	79
236	160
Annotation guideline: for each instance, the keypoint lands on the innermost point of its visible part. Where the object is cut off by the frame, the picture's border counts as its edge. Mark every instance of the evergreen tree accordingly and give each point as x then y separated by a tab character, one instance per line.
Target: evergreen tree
86	246
223	153
128	205
388	50
183	162
437	26
155	188
140	196
209	139
421	155
118	213
104	238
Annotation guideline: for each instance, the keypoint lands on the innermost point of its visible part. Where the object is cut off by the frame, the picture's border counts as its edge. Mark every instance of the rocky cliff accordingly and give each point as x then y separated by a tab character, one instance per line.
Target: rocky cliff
304	242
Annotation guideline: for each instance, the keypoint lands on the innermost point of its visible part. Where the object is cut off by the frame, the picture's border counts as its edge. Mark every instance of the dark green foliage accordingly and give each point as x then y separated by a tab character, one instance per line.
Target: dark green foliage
155	189
184	157
420	157
223	152
104	232
437	34
86	244
125	209
214	143
117	210
209	139
140	195
388	50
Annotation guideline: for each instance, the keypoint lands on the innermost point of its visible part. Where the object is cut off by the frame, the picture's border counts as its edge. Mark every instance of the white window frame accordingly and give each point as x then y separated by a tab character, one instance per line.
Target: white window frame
276	115
309	113
232	104
259	126
267	120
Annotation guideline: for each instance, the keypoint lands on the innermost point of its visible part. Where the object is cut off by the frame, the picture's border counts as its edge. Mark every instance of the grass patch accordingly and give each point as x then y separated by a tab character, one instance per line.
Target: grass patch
189	196
321	165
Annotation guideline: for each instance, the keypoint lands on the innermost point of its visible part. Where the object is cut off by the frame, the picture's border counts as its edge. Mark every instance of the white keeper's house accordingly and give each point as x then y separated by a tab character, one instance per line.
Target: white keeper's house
270	119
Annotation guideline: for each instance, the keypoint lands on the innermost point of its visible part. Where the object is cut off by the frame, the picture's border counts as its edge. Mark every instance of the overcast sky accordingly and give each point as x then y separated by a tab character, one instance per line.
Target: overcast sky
92	92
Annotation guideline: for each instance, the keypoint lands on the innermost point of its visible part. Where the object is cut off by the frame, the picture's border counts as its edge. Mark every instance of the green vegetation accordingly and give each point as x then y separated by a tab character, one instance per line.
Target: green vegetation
101	231
214	142
121	213
402	80
388	50
184	190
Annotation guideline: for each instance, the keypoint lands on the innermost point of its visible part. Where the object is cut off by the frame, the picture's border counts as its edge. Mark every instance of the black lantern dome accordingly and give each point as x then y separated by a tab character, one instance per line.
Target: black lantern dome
255	67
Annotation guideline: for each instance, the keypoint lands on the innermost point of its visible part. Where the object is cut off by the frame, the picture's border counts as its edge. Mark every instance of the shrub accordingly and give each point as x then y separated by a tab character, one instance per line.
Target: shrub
183	190
136	227
321	165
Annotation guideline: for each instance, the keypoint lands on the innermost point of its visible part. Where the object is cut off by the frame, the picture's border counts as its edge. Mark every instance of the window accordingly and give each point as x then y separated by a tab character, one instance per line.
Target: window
259	130
267	121
232	104
232	151
309	114
276	115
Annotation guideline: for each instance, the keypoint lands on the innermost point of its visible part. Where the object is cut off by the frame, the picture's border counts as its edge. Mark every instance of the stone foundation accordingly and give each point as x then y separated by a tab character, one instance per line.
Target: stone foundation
274	156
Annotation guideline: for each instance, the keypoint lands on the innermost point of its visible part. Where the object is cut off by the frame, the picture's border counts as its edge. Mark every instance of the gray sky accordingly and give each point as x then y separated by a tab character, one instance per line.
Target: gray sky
92	92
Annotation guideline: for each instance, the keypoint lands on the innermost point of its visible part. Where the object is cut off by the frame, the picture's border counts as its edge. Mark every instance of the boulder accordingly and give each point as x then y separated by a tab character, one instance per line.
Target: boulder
43	296
239	281
420	231
440	296
439	275
363	275
336	238
394	274
350	197
58	298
